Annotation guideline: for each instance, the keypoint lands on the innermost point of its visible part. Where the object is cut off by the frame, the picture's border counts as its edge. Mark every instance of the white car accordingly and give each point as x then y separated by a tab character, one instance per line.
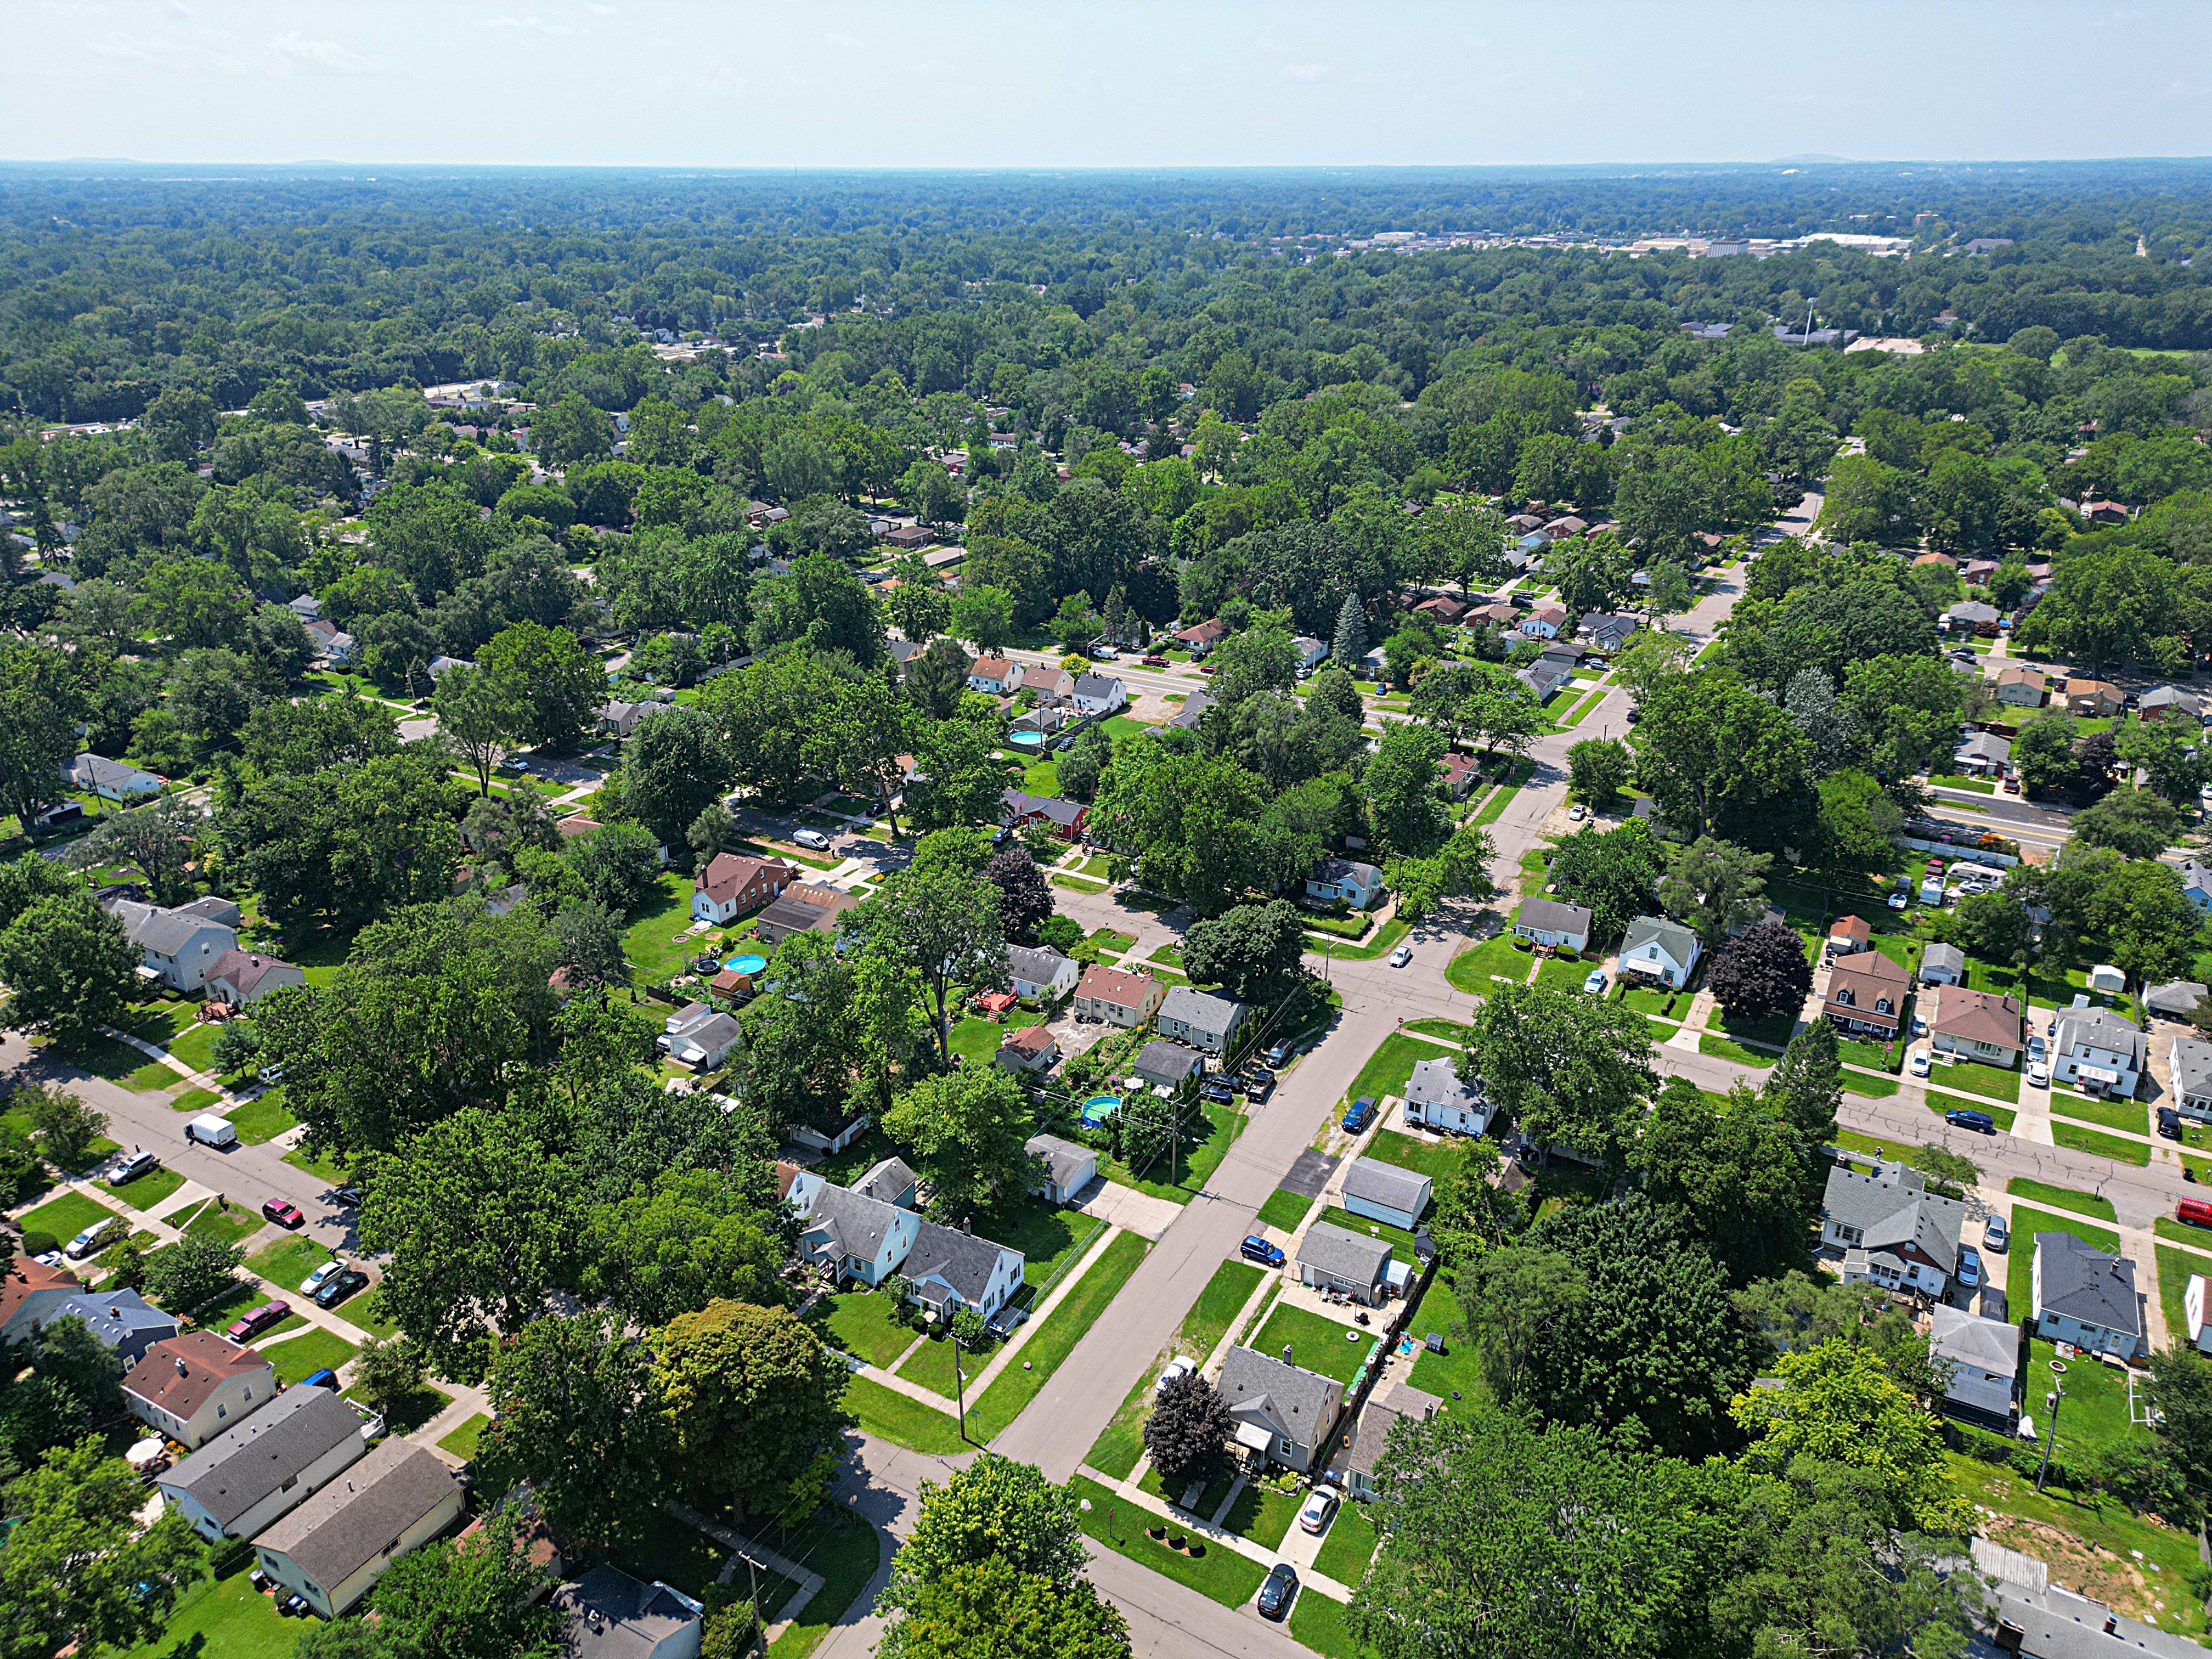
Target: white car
1898	901
813	838
322	1276
1919	1064
1577	811
2039	1074
1595	984
90	1239
1401	955
1180	1365
1321	1503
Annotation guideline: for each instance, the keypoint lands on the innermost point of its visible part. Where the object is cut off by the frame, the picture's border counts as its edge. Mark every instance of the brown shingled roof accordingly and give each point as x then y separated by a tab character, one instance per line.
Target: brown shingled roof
179	1372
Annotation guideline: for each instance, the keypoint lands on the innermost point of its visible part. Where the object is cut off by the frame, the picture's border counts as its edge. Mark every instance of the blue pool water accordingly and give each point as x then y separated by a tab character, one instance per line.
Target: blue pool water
1099	1107
1027	740
747	964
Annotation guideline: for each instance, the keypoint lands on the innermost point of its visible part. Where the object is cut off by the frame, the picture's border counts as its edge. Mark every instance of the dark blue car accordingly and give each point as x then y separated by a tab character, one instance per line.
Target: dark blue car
1256	1249
1981	1122
1355	1119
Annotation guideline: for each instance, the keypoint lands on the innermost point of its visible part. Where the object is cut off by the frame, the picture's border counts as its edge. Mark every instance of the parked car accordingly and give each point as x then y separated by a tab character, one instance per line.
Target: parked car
209	1130
1256	1088
2039	1074
347	1197
322	1276
283	1213
1279	1054
251	1323
1256	1249
1577	811
1997	1235
339	1288
1321	1503
1217	1091
95	1238
1594	983
1006	1321
1180	1365
1355	1118
1156	662
1104	653
128	1166
324	1378
1981	1122
293	1607
2012	786
1898	901
1278	1593
514	763
813	838
1918	1064
1401	955
2194	1212
2169	1123
1969	1267
2037	1047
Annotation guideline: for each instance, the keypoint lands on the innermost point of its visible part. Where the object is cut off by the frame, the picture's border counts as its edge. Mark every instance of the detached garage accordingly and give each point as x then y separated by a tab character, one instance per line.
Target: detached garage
1385	1193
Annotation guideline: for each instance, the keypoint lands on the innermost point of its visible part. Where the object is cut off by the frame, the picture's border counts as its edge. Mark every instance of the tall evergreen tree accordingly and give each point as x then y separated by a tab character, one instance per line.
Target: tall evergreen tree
1351	640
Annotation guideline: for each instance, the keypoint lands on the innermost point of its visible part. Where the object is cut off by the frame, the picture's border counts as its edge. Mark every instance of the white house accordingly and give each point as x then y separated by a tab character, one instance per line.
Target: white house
1562	926
1358	884
1544	623
1439	1097
704	1042
855	1237
1040	973
190	1386
2192	1078
2082	1296
2193	1308
951	1270
2097	1051
1383	1192
1657	949
1983	1355
1891	1229
336	1546
999	676
1312	653
178	947
1068	1167
1981	752
1942	964
260	1469
110	780
1099	694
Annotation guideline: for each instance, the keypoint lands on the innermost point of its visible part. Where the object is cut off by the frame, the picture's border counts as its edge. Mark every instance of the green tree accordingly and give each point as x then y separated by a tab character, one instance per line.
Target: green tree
1993	926
1730	1176
1257	659
987	1610
554	685
1807	1085
1858	822
695	1236
1255	953
946	925
1573	1071
1404	802
68	1129
1610	871
571	431
576	1418
477	716
1715	887
967	1130
45	692
161	839
2135	823
79	1568
386	1371
1599	769
2170	757
993	1509
1715	756
937	676
1350	642
675	765
984	616
618	866
479	1596
750	1402
802	1034
67	966
192	1273
864	736
1839	1404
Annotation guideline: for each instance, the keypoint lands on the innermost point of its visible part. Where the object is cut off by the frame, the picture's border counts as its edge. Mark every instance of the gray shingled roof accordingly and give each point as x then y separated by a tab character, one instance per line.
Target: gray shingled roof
2193	1068
1387	1184
114	1317
2082	1282
1990	1345
2099	1028
633	1617
1676	940
1200	1009
961	1260
354	1519
1354	1259
1295	1401
245	1463
1193	710
1438	1083
1550	916
2176	998
1171	1060
1943	956
855	1224
886	1181
1037	963
1095	685
1895	1208
170	931
1063	1159
1391	1404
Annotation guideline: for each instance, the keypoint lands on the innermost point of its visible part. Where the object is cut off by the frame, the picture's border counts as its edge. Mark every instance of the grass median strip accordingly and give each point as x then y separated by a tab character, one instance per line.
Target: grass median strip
1115	1452
1940	1103
2104	1146
1056	1337
1221	1574
2065	1198
902	1420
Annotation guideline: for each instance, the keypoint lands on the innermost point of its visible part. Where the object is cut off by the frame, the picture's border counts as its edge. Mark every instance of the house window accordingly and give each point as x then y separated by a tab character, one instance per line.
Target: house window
1883	1006
1844	996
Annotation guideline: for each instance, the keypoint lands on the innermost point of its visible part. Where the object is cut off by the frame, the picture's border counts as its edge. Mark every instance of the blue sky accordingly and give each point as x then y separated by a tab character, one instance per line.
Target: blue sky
990	83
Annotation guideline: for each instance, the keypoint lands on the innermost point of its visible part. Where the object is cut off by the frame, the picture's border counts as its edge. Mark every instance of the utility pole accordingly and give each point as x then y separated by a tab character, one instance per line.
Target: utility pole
2051	1430
959	1383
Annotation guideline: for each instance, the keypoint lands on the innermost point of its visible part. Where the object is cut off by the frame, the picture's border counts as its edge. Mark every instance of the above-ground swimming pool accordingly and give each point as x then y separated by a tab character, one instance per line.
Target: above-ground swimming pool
1027	739
1099	1107
747	964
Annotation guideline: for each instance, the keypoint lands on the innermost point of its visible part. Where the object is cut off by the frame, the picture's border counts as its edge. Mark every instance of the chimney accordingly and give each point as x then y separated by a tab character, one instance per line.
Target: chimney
180	1364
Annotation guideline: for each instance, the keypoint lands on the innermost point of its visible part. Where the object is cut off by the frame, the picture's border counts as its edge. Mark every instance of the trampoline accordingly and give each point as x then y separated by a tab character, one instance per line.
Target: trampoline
1099	1107
747	964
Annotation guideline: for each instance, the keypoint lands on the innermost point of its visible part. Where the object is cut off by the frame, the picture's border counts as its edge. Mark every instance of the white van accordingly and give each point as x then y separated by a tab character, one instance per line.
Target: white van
211	1131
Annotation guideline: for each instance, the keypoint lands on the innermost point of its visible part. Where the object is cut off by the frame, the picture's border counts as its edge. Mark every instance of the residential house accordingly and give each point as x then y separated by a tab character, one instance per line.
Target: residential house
1165	1064
1360	1449
2196	881
1983	1355
442	665
1360	885
2080	1295
1041	973
2022	688
1973	617
1607	633
190	1386
1193	711
306	608
110	780
1548	922
1658	949
705	1043
618	719
1500	614
1544	678
1284	1415
1544	623
1333	1258
1117	998
1200	638
1866	993
804	907
1891	1229
1068	1167
1942	964
1383	1192
255	1472
1066	817
242	978
734	885
1439	1097
832	1138
333	1547
1204	1020
575	826
1564	652
903	652
1032	1048
2175	1000
1099	694
891	1180
1848	936
1444	608
951	1270
2104	512
28	1290
1977	1025
2167	701
122	1321
998	675
1459	774
2093	697
177	947
1939	561
2191	1059
1054	687
1312	653
2196	1312
854	1237
2098	1051
1565	528
1981	752
608	1614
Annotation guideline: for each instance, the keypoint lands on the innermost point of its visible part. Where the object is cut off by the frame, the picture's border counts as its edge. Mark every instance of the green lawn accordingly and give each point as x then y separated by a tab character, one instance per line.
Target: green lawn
655	943
196	1047
2026	1222
1221	1574
931	1366
1859	1083
2175	1265
299	1356
860	1322
1455	1373
1349	1545
1386	938
2108	1114
845	1550
1261	1515
223	1619
1477	970
462	1442
263	1118
1318	1622
119	1062
1391	1064
1284	1209
1437	1160
411	1412
2061	1198
1198	1162
1654	1000
1722	1048
223	1221
2095	1414
2002	1117
286	1263
1316	1344
1998	1082
322	1165
2197	1237
976	1040
902	1420
1056	1337
1451	1030
2104	1146
65	1216
1116	1451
